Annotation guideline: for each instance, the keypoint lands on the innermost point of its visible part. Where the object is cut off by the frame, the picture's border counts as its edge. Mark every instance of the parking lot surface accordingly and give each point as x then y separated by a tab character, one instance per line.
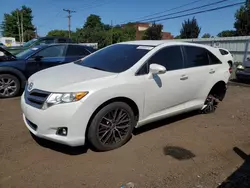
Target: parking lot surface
191	150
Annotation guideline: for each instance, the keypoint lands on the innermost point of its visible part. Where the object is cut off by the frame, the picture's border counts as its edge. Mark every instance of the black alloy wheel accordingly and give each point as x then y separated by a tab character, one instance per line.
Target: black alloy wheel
111	127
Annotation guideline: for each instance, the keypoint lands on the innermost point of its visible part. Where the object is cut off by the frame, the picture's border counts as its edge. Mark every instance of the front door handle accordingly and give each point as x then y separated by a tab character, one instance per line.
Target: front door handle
184	77
211	71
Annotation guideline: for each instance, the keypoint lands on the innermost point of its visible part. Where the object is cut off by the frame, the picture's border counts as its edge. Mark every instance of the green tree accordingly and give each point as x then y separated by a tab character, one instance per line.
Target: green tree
206	35
93	21
190	29
227	33
242	23
58	33
9	25
153	33
177	37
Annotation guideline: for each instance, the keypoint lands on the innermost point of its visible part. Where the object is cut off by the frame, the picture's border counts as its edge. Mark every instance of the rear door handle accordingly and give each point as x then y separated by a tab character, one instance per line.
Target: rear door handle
184	77
211	71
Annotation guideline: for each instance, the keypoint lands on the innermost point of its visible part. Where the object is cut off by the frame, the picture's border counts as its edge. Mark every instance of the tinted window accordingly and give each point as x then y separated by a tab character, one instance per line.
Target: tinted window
116	58
74	50
170	58
213	59
46	41
196	56
223	52
52	51
62	40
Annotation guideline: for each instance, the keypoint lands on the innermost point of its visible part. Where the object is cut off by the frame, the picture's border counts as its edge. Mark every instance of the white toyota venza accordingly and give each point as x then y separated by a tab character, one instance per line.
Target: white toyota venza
104	96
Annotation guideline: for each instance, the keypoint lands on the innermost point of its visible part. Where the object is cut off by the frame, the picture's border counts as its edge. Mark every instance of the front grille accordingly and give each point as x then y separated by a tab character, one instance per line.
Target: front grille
32	125
36	98
247	69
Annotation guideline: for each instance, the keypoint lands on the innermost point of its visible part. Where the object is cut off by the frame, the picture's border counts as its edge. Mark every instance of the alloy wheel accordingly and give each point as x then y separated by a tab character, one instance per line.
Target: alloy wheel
8	87
114	127
210	105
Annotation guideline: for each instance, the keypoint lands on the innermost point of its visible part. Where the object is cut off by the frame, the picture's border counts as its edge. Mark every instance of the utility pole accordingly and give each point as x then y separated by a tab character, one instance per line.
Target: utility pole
69	17
36	32
22	25
18	25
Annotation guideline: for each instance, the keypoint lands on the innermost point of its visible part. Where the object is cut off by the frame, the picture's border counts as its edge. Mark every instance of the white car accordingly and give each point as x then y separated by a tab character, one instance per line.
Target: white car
103	97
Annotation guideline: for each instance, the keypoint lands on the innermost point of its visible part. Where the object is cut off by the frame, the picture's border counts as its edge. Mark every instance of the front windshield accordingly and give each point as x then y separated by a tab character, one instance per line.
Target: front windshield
24	54
116	58
27	44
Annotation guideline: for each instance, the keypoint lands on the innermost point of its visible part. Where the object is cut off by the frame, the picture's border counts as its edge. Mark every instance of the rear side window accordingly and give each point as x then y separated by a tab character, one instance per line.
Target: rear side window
169	57
213	59
196	56
74	50
223	52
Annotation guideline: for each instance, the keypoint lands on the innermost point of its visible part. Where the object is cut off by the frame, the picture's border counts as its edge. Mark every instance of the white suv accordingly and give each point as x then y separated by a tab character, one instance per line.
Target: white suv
103	97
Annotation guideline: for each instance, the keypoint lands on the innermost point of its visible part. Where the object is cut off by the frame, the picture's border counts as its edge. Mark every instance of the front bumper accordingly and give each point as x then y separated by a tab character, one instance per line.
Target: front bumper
45	123
242	75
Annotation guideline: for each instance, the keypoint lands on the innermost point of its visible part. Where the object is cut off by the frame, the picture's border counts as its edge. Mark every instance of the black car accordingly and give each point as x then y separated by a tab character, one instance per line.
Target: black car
16	69
36	42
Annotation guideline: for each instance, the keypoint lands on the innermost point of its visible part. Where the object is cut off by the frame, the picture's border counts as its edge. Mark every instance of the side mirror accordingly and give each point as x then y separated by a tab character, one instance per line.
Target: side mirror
157	69
38	58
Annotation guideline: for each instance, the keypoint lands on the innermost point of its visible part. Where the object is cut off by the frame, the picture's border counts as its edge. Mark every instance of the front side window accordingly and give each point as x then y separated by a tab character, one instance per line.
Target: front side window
196	56
52	51
74	50
169	57
116	58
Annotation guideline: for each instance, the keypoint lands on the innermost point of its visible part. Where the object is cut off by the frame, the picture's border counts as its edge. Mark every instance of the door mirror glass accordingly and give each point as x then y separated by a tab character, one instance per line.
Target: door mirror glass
157	69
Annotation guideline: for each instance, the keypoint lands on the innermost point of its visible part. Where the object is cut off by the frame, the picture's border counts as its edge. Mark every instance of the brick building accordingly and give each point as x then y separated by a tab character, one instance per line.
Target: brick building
142	27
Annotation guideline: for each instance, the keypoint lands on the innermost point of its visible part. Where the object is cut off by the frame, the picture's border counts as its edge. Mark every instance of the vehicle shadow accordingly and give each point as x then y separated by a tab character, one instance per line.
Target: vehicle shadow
241	177
164	122
60	147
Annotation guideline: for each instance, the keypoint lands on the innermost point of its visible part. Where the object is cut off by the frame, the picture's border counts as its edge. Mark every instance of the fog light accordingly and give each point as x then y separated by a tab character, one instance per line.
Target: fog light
63	131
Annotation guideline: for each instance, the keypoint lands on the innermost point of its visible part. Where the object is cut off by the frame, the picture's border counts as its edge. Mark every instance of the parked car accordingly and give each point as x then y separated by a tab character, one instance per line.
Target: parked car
16	69
36	42
243	71
104	96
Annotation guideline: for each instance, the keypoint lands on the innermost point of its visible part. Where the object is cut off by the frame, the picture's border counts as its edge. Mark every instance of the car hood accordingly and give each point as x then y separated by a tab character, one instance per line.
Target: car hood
6	52
69	78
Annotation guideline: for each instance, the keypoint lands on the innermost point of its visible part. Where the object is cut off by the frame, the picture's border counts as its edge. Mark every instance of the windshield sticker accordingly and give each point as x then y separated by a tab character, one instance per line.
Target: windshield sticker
145	47
34	49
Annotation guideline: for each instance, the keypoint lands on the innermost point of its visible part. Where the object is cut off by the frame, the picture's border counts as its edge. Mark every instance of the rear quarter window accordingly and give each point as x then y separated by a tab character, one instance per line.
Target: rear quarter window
223	52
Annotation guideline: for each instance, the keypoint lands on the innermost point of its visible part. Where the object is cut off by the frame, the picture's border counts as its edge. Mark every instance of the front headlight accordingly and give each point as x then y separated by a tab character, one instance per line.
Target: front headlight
240	67
60	98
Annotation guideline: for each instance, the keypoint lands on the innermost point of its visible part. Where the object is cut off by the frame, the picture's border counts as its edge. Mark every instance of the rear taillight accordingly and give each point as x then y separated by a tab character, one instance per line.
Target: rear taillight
230	70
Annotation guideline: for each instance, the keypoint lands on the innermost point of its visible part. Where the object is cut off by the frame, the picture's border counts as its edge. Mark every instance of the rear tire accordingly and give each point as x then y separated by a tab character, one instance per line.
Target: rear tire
9	86
111	127
210	105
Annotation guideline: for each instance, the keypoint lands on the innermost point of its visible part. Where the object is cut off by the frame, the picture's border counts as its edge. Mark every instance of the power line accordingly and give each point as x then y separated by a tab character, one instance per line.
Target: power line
96	5
69	17
168	10
199	12
186	10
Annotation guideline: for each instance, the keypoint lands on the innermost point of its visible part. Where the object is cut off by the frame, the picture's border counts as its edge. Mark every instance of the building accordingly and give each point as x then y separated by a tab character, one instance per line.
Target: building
142	27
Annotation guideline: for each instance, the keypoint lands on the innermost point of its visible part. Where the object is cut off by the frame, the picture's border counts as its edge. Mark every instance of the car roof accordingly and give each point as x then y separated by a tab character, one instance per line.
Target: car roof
160	42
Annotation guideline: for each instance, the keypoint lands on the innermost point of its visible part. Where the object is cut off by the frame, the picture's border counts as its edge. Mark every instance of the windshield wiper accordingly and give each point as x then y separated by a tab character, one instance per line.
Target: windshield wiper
97	68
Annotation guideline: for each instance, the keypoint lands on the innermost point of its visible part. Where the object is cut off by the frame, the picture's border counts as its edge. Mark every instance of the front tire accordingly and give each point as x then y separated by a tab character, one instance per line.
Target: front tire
111	127
9	86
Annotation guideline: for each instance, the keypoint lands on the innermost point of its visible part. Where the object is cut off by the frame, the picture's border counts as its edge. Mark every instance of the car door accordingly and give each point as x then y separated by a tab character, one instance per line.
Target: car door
48	57
197	70
75	52
168	90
